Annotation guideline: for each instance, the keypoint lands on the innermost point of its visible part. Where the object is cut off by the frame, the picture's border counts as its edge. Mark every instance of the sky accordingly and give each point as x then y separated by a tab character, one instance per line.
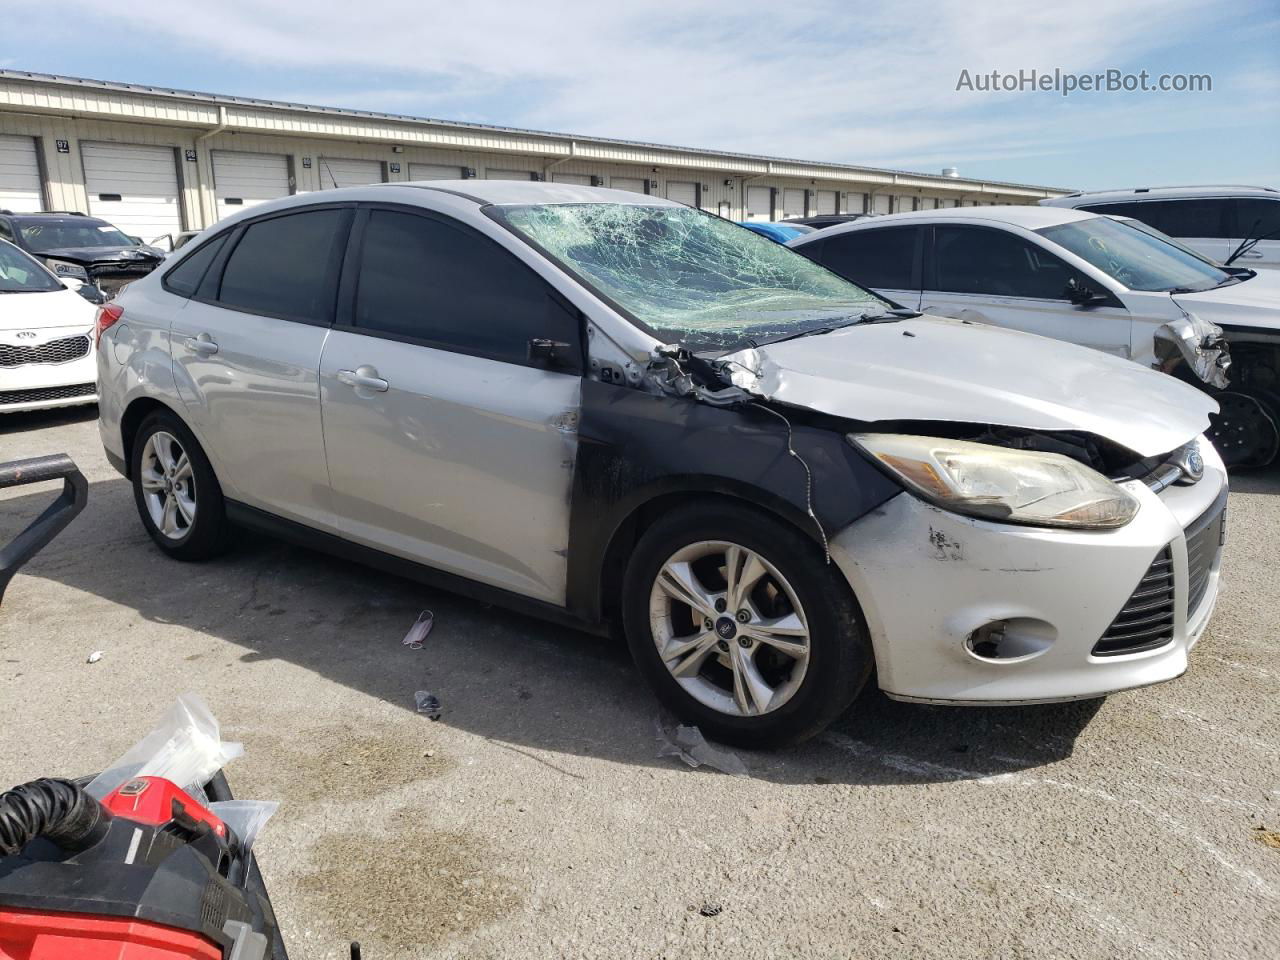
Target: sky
853	82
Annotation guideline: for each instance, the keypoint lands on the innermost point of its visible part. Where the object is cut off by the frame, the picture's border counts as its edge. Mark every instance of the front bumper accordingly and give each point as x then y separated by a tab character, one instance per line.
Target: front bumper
41	386
927	579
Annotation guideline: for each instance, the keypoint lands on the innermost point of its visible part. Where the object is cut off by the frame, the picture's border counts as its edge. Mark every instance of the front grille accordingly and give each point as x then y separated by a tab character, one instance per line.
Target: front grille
37	394
1204	540
54	351
1146	620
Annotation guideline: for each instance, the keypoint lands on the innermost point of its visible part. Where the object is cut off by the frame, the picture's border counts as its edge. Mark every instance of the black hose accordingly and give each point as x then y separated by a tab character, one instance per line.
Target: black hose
58	810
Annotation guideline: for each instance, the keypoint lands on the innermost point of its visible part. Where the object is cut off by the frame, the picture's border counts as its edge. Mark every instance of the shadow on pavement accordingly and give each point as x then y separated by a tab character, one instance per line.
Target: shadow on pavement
516	681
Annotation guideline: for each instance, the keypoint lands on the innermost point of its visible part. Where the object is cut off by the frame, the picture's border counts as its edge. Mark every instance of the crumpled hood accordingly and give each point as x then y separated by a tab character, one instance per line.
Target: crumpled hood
1251	303
89	256
932	368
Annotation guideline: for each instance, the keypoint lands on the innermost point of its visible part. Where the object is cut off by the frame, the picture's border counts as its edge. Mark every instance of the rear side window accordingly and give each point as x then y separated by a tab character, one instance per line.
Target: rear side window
285	267
978	260
1176	218
1256	217
880	259
184	279
425	279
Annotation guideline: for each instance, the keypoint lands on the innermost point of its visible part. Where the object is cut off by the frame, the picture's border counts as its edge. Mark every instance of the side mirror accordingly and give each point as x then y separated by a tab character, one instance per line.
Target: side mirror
550	353
1082	295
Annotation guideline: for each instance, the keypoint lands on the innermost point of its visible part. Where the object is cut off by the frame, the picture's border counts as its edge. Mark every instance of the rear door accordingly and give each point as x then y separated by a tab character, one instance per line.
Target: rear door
994	276
886	260
246	355
447	444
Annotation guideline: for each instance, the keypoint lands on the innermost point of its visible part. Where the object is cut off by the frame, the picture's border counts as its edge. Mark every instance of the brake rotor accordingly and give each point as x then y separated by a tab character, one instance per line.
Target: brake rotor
1243	431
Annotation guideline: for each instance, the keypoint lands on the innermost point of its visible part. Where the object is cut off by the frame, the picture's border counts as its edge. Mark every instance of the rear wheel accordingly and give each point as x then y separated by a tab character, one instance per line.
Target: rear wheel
174	487
741	627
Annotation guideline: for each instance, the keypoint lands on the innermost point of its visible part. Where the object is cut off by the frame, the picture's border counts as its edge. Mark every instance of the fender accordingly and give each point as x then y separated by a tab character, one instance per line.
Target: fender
635	447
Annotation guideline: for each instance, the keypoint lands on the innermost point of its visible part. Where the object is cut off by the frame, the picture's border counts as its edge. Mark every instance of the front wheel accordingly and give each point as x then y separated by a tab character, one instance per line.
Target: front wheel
177	494
741	627
1243	431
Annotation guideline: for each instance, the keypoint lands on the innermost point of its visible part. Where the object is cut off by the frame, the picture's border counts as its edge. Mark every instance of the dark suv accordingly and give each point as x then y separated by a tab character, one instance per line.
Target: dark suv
77	247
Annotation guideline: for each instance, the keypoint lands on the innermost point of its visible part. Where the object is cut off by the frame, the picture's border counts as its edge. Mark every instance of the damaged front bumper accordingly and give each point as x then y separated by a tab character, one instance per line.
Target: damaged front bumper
966	611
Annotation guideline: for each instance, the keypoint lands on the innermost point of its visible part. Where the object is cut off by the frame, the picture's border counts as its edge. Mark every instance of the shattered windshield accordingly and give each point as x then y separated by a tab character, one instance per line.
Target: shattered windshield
1140	259
690	277
43	235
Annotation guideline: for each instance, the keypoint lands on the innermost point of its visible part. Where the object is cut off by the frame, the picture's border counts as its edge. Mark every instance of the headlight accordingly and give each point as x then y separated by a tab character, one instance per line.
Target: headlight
64	269
1016	486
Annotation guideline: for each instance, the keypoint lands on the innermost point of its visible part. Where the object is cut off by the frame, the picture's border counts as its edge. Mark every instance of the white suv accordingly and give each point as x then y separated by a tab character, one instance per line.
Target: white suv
1236	226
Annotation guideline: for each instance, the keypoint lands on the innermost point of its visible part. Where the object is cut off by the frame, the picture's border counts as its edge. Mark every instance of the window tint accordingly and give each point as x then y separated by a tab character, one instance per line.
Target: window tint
880	259
1256	216
977	260
426	279
6	231
283	267
1177	218
185	278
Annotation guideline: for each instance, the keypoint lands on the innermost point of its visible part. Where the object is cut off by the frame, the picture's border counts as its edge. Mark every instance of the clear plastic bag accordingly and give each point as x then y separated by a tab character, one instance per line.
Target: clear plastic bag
185	748
245	817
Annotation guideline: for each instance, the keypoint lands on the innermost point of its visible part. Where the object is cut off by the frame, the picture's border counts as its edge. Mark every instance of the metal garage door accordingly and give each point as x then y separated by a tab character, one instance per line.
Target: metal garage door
627	183
792	204
880	203
243	180
19	175
855	203
133	187
682	192
759	203
348	173
434	171
904	204
827	202
581	179
493	173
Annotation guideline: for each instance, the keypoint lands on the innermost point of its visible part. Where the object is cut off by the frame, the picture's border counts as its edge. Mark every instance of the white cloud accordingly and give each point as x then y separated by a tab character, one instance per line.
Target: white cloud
860	82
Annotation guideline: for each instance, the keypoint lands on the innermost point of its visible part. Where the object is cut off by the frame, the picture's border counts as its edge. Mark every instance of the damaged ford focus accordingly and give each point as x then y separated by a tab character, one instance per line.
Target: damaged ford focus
630	416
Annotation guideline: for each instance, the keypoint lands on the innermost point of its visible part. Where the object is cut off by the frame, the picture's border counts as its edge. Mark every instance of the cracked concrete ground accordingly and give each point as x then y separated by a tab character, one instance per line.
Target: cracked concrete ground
535	819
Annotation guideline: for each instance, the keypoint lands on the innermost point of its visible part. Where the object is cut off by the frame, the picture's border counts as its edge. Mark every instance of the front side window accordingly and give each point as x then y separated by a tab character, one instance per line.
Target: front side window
1256	217
42	236
881	259
283	267
995	263
1139	259
20	274
688	277
426	279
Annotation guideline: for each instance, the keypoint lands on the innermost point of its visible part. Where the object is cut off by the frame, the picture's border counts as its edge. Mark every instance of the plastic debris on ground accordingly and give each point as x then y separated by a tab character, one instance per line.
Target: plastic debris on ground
94	657
427	703
185	748
692	747
418	632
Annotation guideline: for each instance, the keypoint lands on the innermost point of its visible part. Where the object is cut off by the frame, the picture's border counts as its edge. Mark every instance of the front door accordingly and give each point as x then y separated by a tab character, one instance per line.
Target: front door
993	276
246	357
447	443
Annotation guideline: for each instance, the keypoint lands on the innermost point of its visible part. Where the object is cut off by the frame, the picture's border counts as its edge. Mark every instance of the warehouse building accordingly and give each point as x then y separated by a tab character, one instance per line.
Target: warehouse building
155	161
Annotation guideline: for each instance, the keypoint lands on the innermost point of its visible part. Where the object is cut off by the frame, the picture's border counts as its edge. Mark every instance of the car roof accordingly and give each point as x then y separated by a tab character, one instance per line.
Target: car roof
1153	193
78	218
1027	217
530	191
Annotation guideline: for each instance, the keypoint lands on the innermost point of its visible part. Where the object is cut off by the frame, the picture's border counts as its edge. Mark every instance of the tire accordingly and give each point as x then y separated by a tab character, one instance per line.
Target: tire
197	526
832	668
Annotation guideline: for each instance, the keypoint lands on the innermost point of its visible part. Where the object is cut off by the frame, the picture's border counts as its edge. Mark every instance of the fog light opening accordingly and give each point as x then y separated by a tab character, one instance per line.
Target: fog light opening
1010	641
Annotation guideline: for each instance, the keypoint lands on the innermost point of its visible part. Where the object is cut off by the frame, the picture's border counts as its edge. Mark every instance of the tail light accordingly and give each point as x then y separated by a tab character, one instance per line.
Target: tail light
108	315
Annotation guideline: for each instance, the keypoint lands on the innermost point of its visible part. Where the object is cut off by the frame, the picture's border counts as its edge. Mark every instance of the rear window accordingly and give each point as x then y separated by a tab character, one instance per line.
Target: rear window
284	267
1178	218
880	259
184	279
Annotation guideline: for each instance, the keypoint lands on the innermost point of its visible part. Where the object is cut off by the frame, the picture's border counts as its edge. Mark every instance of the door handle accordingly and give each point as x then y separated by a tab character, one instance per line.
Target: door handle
1251	255
203	345
363	377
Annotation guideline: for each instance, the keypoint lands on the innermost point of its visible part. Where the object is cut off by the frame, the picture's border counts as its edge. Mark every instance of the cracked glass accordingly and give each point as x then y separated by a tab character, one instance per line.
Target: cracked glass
689	277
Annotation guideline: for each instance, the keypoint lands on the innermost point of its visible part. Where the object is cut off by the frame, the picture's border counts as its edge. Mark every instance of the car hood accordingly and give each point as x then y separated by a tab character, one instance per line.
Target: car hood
88	256
931	369
21	312
1251	303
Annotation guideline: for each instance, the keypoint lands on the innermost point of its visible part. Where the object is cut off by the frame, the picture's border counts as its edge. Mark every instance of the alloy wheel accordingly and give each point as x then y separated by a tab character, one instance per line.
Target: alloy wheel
168	485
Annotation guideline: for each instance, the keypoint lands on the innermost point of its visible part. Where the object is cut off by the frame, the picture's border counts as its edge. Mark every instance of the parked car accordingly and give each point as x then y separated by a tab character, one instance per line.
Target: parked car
777	232
818	221
1094	280
617	411
81	248
1231	225
46	330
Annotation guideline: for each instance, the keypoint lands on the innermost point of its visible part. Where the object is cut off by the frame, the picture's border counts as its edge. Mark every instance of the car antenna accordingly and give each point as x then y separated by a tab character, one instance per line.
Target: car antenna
329	171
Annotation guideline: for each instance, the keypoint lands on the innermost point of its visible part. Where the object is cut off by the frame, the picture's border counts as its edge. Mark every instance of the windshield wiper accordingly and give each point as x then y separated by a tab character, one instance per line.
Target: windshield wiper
1248	243
813	331
889	316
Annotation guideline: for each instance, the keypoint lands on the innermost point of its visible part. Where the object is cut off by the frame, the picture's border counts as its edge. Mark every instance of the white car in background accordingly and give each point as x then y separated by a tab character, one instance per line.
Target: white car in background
1235	226
1110	283
46	337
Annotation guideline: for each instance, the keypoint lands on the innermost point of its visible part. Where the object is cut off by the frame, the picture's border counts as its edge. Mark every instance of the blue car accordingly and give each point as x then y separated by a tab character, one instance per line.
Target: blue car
779	232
